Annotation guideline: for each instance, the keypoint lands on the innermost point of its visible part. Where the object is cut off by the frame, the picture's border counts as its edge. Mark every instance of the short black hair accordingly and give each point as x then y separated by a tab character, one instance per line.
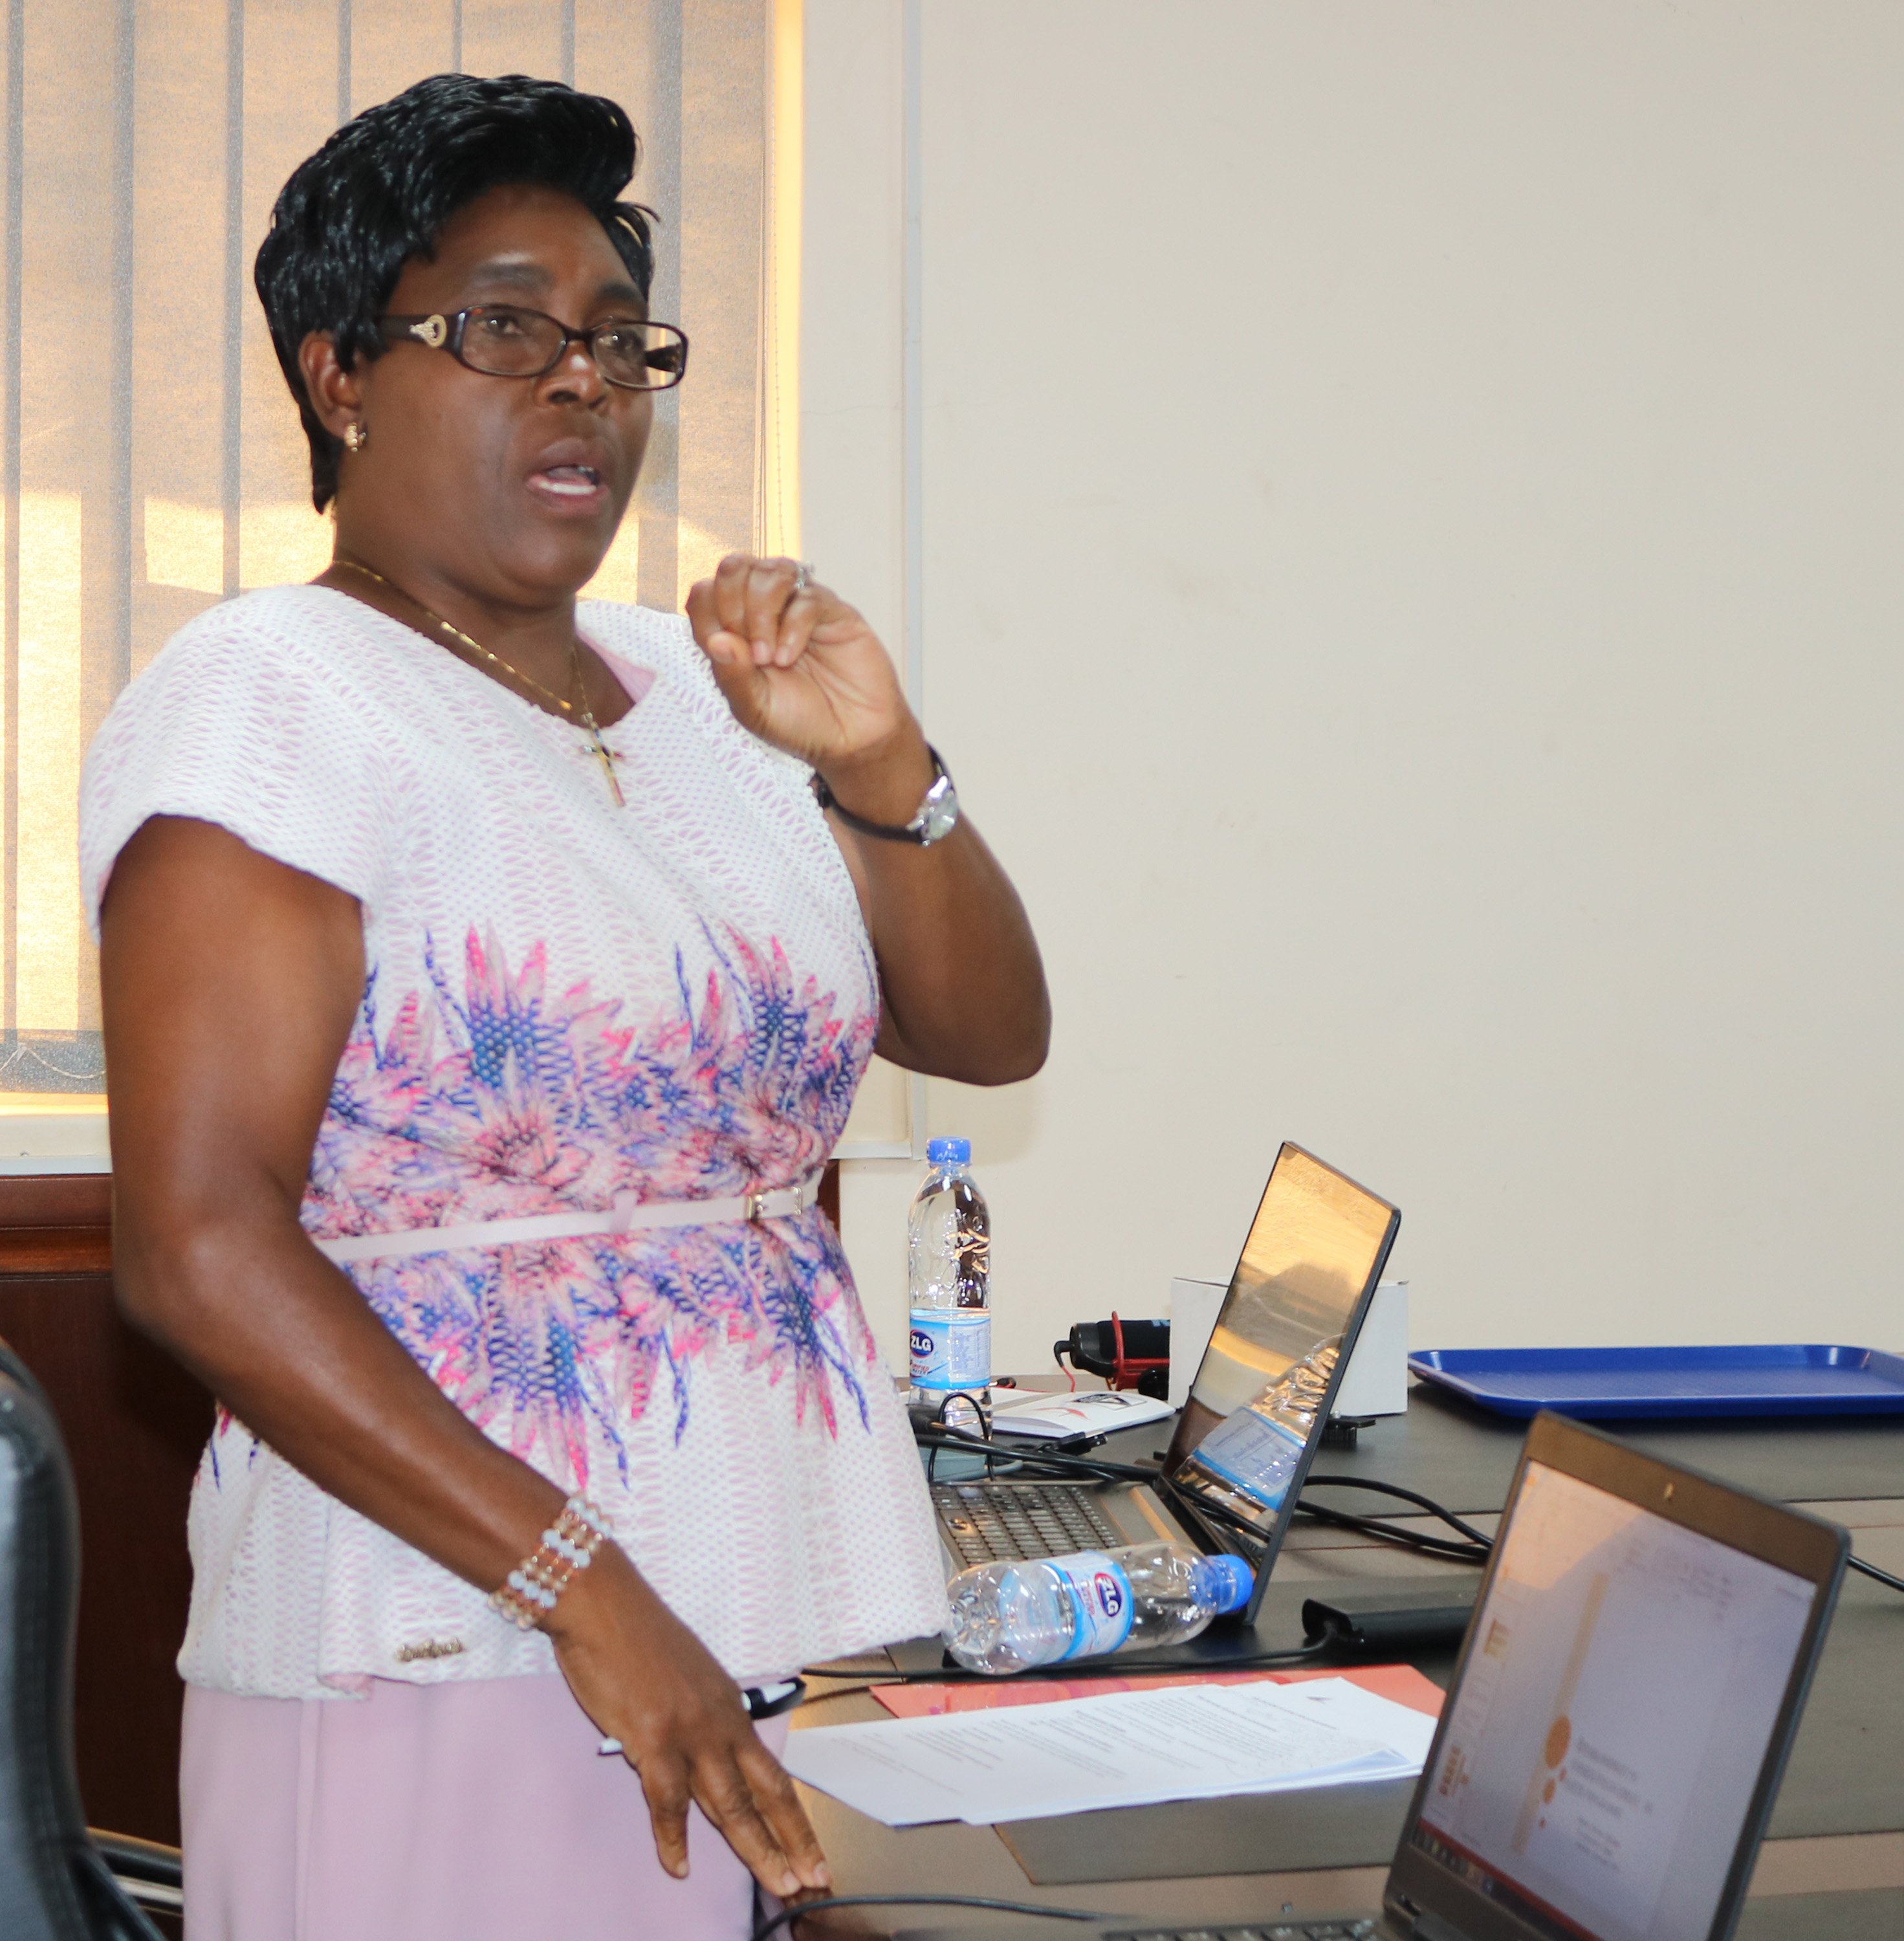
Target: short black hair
381	192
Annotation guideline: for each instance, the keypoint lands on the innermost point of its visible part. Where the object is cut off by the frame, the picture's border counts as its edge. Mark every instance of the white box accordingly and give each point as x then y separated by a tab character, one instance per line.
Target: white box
1377	1380
1194	1305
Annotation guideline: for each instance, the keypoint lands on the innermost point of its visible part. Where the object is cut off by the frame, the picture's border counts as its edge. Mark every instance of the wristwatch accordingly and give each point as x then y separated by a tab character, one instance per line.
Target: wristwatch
937	817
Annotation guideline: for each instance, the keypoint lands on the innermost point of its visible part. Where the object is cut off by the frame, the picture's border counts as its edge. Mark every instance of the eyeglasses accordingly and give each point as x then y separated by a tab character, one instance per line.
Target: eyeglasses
501	341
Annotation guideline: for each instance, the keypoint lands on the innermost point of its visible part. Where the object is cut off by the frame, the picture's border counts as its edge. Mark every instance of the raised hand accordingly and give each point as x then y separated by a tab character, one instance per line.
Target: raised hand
800	667
963	992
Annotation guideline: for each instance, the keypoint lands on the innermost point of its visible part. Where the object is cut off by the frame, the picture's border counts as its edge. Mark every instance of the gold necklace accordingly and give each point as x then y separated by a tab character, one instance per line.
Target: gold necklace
599	748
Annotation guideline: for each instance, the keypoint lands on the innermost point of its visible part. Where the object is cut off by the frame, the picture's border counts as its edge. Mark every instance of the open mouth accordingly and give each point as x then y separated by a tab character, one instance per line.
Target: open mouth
567	481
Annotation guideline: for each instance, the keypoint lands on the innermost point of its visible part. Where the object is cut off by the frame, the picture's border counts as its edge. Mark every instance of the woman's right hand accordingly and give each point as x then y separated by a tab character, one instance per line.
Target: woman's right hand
645	1678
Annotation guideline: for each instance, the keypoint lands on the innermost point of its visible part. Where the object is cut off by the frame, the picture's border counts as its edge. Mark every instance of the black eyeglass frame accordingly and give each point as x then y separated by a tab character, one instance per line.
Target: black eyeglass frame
444	331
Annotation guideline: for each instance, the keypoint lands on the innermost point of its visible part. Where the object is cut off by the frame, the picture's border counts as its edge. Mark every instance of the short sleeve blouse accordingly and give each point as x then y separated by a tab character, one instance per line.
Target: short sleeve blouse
565	1002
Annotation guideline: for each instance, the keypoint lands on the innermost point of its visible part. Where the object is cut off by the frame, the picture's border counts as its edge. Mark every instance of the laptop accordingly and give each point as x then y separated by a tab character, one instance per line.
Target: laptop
1613	1737
1247	1435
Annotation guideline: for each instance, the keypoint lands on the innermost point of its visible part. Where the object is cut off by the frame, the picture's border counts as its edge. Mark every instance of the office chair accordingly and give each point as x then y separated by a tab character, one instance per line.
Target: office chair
55	1883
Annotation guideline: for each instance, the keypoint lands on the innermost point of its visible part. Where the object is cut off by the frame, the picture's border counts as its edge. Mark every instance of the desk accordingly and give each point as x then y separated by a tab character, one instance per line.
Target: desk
1837	1884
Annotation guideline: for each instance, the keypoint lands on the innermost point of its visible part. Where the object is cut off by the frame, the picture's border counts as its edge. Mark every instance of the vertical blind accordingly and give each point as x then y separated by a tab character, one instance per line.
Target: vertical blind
153	462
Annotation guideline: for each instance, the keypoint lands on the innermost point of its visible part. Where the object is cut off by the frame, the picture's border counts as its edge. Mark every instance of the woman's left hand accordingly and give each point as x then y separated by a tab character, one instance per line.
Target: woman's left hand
963	990
800	667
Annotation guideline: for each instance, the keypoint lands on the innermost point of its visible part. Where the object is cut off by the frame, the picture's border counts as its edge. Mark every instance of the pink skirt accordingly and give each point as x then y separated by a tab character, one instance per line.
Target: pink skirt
478	1811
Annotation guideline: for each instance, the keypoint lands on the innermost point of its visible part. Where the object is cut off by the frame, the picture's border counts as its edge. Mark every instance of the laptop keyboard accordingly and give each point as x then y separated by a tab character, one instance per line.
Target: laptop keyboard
1263	1930
984	1521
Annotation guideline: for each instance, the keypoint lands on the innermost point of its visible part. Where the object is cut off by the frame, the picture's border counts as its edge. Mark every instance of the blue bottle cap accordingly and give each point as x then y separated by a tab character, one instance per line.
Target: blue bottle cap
1229	1582
949	1152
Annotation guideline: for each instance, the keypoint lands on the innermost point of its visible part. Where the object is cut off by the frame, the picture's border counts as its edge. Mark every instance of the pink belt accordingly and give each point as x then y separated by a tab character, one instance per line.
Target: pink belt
627	1215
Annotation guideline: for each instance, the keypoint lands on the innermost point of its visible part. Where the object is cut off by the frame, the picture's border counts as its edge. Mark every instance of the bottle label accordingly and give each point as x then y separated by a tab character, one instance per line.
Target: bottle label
951	1348
1101	1602
1254	1453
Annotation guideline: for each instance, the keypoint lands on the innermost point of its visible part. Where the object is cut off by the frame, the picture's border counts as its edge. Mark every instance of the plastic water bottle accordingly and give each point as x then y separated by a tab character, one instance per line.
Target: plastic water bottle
949	1273
1009	1617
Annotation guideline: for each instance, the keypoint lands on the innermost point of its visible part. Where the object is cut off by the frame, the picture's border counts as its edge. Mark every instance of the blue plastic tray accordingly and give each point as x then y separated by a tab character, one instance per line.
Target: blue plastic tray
1601	1383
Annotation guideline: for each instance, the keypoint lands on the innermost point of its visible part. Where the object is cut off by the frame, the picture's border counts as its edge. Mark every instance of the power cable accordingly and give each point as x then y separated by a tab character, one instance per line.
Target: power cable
1871	1570
1475	1545
1478	1538
788	1915
1104	1668
1047	1464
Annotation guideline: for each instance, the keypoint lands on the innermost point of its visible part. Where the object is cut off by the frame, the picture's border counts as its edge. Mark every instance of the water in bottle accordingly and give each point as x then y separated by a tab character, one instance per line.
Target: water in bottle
1011	1617
949	1270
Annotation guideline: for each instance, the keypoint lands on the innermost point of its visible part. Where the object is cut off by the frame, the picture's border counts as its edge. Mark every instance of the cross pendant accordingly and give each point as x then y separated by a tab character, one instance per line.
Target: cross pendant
604	753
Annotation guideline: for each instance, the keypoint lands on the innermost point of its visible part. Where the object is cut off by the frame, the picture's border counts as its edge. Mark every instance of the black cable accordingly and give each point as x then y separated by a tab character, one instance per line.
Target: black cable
1388	1532
1198	1509
1052	1464
841	1691
1428	1503
1097	1468
942	1423
1101	1467
1113	1667
1056	1465
1240	1525
788	1915
1871	1570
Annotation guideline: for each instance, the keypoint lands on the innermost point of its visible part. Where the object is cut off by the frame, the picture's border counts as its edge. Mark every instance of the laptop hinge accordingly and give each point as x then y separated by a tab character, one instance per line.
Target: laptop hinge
1419	1923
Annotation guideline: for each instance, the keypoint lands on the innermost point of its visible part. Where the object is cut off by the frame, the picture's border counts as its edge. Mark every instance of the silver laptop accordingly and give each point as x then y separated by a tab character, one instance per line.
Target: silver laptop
1257	1410
1612	1740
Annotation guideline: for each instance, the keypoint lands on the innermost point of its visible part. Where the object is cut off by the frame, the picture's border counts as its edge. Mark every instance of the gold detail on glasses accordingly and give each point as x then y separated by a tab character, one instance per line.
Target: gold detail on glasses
506	341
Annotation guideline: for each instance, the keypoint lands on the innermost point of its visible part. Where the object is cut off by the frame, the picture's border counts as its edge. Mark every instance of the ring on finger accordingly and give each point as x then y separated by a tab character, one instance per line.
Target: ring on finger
802	577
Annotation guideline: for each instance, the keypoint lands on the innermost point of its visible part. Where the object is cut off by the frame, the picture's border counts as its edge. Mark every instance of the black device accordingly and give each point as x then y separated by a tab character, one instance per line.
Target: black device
1629	1688
1126	1354
1249	1431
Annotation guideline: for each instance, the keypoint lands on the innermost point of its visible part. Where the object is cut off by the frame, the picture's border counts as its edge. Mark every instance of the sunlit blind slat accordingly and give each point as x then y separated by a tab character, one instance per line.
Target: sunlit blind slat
152	463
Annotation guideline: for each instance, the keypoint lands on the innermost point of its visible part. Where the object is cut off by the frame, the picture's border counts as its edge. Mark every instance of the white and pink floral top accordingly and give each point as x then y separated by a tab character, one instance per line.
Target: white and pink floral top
564	1001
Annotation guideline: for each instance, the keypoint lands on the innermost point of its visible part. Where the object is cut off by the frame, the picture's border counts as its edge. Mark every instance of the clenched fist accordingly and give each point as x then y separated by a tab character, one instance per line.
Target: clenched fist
803	670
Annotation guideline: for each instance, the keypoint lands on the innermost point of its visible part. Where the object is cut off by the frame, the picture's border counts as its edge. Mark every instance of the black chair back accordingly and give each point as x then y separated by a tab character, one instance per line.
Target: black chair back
54	1884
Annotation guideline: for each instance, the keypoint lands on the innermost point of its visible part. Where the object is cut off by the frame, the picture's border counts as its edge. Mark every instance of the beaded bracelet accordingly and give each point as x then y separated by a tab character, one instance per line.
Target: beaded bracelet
529	1594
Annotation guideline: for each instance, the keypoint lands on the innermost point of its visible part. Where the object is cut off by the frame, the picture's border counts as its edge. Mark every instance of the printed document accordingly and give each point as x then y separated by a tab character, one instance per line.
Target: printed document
1130	1749
1049	1417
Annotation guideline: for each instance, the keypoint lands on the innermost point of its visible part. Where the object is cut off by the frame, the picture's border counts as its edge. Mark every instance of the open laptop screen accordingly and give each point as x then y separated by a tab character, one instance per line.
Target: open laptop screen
1256	1407
1624	1679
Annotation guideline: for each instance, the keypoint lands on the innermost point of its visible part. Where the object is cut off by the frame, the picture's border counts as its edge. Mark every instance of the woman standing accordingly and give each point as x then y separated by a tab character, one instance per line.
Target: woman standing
484	988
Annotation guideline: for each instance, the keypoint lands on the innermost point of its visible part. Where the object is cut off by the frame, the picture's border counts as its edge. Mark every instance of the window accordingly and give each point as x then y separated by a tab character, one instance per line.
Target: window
152	461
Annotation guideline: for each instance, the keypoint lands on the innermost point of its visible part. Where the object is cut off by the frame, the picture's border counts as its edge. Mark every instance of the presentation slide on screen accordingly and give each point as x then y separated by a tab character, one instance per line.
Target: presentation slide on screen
1627	1675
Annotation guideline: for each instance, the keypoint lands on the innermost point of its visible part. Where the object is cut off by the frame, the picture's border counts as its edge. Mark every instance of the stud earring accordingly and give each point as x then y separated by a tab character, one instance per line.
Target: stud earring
355	437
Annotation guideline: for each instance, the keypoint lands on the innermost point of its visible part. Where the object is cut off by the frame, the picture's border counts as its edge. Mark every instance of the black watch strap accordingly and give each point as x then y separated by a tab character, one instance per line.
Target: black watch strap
915	831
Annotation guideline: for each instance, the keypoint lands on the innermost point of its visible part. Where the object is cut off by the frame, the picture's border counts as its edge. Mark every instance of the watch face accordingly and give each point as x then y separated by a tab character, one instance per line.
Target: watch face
939	813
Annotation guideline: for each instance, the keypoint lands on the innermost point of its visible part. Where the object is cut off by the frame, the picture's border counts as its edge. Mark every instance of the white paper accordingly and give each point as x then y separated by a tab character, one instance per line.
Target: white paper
1093	1412
1126	1749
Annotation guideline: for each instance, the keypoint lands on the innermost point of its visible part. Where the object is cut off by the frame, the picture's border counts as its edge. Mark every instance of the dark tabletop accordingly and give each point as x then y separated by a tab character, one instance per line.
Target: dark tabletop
1464	1457
1847	1769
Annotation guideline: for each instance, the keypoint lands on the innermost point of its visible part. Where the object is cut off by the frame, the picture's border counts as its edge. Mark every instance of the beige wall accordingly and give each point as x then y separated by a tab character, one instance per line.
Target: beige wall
1412	586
